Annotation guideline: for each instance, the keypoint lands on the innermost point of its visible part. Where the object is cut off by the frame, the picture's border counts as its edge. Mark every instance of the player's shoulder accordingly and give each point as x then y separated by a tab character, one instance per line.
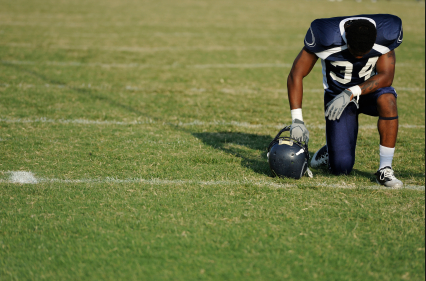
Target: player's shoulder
326	34
380	21
389	28
327	23
322	34
389	32
388	19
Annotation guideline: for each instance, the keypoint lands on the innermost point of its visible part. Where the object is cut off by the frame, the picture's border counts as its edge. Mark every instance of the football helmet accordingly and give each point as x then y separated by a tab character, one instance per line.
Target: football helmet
287	157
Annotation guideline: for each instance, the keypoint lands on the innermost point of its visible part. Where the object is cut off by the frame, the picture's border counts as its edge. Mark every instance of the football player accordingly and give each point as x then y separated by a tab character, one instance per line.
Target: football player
358	64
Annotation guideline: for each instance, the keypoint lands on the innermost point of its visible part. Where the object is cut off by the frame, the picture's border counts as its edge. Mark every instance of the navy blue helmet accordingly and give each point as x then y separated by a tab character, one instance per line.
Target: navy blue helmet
287	157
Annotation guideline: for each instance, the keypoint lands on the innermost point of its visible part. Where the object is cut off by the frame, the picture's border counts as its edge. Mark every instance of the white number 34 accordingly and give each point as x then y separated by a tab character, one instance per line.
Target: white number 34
365	71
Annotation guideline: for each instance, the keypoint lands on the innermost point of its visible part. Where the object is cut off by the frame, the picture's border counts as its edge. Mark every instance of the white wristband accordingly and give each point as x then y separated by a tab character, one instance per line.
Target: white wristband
296	114
356	91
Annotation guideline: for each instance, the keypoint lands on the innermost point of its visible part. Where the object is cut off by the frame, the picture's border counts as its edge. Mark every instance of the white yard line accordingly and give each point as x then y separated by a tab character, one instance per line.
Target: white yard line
181	124
137	65
167	35
241	65
138	49
21	177
200	90
75	121
195	66
76	64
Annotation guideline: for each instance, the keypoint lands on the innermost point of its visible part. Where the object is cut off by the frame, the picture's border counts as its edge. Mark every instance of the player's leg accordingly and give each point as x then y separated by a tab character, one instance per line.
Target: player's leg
341	136
388	119
383	103
388	131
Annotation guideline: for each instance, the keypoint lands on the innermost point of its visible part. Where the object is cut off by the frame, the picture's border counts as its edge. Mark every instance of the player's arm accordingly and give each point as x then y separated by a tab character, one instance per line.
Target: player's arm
302	66
385	68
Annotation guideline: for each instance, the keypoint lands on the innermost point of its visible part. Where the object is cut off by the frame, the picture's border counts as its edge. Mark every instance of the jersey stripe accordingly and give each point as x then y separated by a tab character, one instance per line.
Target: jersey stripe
324	75
325	54
381	49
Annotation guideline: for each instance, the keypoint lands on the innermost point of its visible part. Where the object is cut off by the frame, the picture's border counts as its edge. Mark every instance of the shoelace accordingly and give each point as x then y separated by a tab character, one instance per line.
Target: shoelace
387	173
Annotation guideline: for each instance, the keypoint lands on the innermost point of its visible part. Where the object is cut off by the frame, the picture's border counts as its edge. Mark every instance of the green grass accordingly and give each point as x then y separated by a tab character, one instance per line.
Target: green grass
172	182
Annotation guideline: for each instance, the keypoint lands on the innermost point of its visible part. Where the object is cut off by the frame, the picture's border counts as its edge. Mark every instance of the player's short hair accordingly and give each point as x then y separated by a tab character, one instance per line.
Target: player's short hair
361	35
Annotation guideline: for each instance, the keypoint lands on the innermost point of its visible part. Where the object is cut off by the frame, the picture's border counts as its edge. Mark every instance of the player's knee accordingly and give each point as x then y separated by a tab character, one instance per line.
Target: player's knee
386	105
342	165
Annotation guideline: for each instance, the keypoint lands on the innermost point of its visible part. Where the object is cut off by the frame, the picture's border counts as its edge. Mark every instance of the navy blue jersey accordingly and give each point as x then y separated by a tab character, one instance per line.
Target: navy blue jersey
341	70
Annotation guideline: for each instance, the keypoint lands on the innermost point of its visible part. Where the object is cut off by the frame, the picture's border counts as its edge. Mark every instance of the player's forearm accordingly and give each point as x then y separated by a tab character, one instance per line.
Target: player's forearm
385	68
302	66
295	91
385	74
376	82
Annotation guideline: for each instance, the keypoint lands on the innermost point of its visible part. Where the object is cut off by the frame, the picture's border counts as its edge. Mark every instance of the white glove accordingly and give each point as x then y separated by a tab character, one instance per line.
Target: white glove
335	107
298	131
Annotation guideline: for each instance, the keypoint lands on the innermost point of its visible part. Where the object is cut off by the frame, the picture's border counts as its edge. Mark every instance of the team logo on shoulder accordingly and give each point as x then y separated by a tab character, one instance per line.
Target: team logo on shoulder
313	39
400	36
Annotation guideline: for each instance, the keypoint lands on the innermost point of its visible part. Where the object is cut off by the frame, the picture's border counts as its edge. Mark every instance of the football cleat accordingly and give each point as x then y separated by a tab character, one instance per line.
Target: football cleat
385	176
320	158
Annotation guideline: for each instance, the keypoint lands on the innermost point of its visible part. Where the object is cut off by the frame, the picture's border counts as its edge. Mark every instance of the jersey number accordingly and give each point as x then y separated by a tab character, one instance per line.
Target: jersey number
365	71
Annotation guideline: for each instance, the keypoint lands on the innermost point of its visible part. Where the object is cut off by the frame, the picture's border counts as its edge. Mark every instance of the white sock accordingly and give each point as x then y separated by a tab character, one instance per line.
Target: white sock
386	156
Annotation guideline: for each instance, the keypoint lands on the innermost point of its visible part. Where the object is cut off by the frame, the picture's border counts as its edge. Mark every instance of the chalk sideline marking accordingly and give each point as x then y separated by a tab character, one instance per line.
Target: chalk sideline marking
193	123
138	65
22	177
176	65
136	49
24	85
180	124
158	34
75	121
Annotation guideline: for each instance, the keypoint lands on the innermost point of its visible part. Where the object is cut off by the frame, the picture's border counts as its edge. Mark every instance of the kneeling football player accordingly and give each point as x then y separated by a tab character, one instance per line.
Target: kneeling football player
358	65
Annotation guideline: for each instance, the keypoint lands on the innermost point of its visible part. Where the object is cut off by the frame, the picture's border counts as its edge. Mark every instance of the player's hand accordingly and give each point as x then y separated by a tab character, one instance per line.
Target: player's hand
335	107
298	131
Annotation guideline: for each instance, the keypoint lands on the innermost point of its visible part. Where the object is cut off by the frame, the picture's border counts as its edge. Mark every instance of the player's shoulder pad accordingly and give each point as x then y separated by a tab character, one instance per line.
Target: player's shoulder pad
323	34
389	31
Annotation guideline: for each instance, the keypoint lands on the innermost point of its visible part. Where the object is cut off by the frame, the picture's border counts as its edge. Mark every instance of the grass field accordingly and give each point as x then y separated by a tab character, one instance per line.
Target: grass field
133	140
